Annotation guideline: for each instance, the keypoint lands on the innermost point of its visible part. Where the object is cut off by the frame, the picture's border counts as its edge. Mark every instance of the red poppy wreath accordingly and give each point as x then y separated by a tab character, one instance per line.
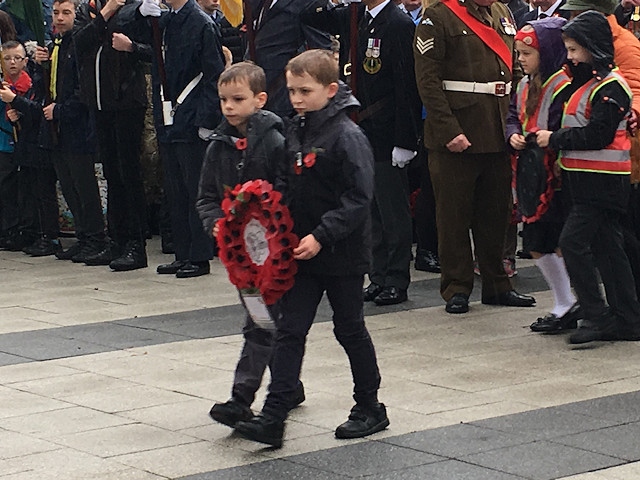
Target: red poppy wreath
255	240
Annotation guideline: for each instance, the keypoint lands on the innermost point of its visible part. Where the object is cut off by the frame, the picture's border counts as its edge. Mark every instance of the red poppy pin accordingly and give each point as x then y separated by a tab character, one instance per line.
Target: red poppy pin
241	144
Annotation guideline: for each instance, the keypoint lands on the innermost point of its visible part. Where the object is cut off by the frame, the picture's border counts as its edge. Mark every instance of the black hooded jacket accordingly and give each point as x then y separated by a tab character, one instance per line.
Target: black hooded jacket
332	198
225	166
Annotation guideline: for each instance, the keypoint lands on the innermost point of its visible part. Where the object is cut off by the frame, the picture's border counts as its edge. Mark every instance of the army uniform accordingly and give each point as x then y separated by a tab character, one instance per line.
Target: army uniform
472	188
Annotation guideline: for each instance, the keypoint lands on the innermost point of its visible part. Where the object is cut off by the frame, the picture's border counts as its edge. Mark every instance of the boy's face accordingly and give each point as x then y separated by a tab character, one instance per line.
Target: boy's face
64	14
14	60
238	102
576	53
307	94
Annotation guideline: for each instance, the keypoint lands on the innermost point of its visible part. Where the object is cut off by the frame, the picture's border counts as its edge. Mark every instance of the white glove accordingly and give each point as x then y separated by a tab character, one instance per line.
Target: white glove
150	8
205	133
400	157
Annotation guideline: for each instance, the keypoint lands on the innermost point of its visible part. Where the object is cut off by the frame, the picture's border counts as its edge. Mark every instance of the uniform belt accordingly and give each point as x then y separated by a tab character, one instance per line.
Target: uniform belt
499	89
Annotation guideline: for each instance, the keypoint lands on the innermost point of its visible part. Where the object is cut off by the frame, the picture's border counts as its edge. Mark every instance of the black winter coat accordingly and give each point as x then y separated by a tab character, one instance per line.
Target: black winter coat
122	82
191	46
225	166
332	199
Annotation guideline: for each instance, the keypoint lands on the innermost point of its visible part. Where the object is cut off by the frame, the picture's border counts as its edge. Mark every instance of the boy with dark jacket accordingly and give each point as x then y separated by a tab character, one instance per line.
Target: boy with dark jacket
330	192
248	144
594	157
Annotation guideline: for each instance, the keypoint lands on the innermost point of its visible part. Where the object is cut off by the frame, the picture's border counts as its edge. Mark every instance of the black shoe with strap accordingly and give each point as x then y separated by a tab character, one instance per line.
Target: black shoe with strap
262	428
364	420
551	323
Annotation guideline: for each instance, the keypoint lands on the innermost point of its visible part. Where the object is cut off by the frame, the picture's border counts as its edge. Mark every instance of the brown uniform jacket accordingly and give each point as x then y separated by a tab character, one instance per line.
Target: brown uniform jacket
447	49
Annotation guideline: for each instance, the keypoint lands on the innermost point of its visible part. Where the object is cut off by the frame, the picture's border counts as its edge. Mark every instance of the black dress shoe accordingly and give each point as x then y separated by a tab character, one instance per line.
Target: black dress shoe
371	292
510	299
391	296
363	421
264	429
459	303
134	257
230	413
193	269
70	252
427	261
552	323
606	327
171	268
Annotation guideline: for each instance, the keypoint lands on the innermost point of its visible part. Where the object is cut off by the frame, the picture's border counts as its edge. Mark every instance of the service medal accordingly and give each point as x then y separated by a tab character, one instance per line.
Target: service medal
369	52
376	48
636	14
372	65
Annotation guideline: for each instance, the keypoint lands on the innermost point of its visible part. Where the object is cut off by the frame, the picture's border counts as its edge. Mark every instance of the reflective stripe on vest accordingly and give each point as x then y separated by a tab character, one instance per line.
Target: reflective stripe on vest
540	119
615	157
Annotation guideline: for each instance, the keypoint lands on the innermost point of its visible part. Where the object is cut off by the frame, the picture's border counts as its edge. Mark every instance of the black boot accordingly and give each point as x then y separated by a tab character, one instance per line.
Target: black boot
134	257
43	247
70	252
264	429
230	413
102	255
364	420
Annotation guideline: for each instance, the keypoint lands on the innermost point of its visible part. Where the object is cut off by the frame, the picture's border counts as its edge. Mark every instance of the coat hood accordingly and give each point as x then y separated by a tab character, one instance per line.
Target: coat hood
592	31
552	52
259	123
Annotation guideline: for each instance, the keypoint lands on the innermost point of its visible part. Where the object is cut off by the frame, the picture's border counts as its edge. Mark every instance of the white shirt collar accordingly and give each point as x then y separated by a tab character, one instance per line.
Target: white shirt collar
376	10
551	10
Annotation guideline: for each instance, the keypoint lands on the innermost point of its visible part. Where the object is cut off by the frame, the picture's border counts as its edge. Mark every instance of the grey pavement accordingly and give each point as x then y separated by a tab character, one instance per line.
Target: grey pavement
107	375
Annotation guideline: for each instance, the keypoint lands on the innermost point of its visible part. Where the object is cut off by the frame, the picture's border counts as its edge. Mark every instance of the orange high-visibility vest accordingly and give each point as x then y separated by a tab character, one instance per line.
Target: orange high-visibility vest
550	88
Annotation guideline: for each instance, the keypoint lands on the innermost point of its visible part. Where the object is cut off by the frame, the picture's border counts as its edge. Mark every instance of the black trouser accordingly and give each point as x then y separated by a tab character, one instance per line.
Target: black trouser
38	201
391	225
299	306
471	191
425	206
77	177
119	137
592	239
182	163
8	192
631	232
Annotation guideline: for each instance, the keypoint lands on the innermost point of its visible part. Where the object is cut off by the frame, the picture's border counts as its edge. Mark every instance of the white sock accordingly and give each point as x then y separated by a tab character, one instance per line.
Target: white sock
555	273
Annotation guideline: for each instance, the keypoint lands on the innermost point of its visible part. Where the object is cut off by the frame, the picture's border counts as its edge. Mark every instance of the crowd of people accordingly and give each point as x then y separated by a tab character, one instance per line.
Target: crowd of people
472	115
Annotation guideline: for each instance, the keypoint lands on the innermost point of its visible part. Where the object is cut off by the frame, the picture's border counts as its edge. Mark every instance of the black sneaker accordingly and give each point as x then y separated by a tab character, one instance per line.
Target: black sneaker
88	250
262	428
104	256
364	421
134	257
230	413
70	252
43	247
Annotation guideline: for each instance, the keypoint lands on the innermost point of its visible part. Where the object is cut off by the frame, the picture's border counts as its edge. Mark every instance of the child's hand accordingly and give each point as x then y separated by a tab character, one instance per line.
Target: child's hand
13	114
48	111
215	230
42	54
517	141
6	95
307	248
542	138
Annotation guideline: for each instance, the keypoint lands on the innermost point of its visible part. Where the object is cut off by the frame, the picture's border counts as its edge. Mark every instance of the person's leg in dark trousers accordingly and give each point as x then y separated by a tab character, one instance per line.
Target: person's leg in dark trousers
576	240
182	163
8	193
492	212
47	202
425	220
120	134
391	227
299	306
29	221
350	330
80	189
631	232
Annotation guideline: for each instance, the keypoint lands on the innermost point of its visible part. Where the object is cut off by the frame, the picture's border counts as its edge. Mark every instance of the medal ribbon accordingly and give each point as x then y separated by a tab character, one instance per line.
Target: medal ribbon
488	35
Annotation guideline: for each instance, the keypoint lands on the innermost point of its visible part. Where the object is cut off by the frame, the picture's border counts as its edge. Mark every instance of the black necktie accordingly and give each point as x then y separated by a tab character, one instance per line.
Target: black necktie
366	20
542	15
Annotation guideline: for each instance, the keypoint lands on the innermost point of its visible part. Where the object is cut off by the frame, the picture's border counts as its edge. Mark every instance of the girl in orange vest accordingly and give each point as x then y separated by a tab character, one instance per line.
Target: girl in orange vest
594	157
537	106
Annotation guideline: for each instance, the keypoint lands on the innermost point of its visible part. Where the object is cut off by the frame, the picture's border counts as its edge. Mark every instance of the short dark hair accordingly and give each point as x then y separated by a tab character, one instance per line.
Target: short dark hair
319	64
76	3
245	72
13	44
